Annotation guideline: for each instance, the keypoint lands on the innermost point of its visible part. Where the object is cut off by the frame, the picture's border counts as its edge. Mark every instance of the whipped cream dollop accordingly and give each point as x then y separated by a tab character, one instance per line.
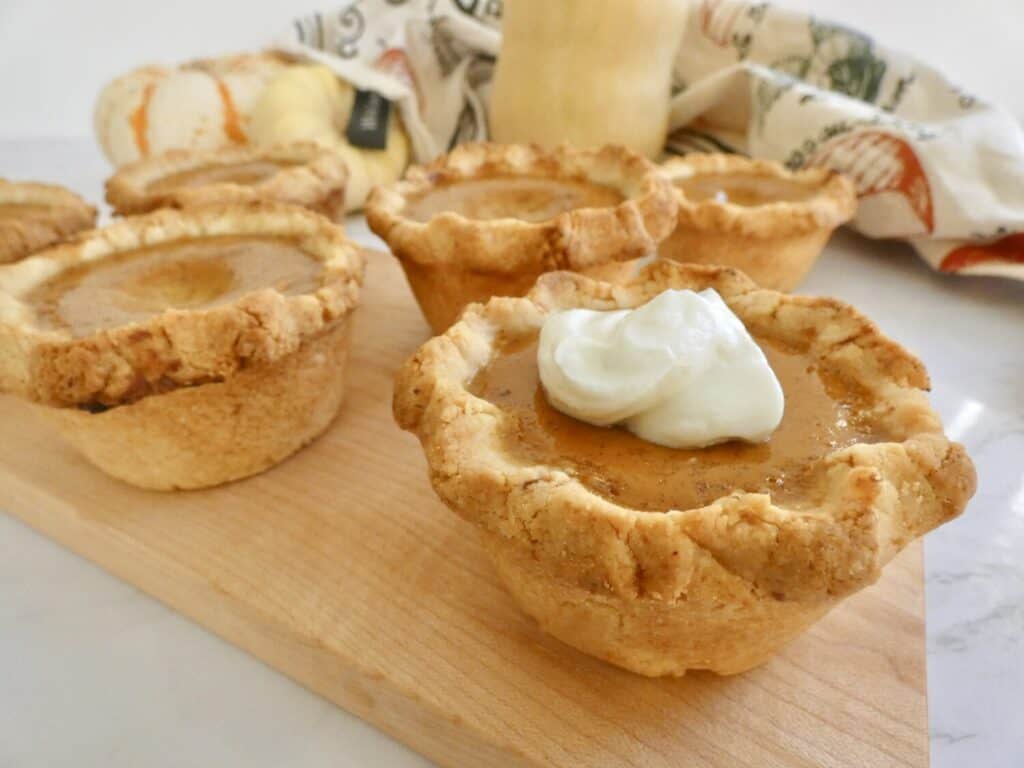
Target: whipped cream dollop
680	371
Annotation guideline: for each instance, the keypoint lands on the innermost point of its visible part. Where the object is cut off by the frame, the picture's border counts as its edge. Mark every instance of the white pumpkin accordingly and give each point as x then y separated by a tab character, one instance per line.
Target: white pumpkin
310	103
587	72
200	105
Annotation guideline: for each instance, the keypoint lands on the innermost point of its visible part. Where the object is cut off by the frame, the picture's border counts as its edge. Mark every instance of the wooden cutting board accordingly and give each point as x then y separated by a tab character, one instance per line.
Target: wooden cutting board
342	570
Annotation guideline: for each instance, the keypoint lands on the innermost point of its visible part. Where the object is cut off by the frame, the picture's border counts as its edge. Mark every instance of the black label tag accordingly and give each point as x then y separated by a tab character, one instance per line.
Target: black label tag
368	124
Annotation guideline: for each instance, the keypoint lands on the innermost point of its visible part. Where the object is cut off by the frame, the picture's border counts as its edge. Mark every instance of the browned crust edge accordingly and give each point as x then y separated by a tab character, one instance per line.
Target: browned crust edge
175	347
573	240
318	181
834	202
20	238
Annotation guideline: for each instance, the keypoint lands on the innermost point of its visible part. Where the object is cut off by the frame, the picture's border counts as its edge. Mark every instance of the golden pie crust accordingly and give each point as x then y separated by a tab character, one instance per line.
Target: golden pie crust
205	435
224	379
51	214
720	586
301	173
776	228
452	259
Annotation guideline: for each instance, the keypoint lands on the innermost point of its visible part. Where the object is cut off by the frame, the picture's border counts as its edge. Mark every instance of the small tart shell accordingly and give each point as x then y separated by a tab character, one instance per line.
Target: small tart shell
451	260
176	347
721	587
315	179
195	437
68	215
775	244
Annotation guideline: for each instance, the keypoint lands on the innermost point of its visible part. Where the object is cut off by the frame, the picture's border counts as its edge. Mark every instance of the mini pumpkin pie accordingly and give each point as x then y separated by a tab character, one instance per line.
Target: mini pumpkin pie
659	559
487	219
303	174
34	216
755	215
183	349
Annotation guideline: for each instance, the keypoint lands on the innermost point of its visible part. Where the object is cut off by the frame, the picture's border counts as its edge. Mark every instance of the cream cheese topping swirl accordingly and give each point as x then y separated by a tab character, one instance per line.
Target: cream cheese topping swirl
681	371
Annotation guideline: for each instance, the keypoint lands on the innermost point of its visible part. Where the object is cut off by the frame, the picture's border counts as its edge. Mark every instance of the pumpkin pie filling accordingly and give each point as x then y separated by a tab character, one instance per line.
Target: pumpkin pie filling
823	413
527	198
187	274
248	173
744	190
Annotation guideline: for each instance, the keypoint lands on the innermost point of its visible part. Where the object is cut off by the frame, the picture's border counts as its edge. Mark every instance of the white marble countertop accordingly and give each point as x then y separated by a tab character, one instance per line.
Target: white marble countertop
94	673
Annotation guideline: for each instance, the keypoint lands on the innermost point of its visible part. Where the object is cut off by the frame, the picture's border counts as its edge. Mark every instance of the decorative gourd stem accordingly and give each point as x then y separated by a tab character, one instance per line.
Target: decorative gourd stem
587	72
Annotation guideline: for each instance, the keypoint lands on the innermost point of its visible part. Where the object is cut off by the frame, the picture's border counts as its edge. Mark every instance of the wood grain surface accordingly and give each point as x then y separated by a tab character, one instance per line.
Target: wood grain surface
341	569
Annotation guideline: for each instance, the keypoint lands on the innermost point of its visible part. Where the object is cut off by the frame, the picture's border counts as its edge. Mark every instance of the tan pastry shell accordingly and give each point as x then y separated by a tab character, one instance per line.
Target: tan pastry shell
775	244
176	347
204	435
451	260
721	587
68	214
315	178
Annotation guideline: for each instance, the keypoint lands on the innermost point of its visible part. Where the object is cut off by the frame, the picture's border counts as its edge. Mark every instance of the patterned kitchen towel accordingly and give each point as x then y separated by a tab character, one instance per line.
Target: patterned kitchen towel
932	164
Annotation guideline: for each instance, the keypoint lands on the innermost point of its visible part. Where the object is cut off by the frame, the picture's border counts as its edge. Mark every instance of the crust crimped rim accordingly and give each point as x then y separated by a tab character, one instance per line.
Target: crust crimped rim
318	179
70	215
574	239
877	497
176	347
833	203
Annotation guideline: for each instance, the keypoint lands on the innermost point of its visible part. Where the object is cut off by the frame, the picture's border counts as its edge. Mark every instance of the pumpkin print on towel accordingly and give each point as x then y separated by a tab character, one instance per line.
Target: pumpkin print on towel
1005	250
880	163
840	60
